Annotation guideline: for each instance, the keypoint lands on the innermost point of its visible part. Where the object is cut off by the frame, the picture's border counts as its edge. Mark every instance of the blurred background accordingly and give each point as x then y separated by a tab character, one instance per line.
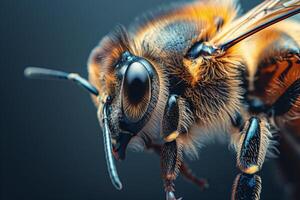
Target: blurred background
50	138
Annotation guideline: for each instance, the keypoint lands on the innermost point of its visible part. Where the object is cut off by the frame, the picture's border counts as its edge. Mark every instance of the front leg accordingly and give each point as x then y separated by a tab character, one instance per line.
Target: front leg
185	170
246	187
171	160
171	153
251	147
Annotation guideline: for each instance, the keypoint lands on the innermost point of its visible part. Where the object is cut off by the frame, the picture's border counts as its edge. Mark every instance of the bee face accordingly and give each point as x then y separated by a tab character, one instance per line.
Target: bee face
134	99
136	92
135	86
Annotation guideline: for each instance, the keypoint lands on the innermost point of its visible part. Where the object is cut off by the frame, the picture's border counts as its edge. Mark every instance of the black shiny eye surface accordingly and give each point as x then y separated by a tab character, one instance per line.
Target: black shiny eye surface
136	91
136	82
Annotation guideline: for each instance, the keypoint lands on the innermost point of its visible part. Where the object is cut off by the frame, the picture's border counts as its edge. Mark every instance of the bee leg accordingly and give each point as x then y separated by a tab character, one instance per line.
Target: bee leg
246	187
171	153
185	170
251	147
189	175
171	159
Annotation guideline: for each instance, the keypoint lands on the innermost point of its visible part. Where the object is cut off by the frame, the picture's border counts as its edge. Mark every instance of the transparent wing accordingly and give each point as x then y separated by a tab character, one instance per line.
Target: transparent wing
265	14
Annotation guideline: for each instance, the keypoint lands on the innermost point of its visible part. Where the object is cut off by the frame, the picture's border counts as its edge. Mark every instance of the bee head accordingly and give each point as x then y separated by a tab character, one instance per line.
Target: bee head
134	98
133	82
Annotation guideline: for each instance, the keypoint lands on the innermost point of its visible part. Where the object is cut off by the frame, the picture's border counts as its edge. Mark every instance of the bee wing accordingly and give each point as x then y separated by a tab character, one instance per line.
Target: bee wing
265	14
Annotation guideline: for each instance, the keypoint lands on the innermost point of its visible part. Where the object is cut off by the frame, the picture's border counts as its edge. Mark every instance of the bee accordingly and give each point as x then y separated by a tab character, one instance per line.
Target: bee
192	71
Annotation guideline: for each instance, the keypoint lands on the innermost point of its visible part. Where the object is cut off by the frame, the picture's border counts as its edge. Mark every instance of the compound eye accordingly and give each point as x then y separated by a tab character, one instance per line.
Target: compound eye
136	91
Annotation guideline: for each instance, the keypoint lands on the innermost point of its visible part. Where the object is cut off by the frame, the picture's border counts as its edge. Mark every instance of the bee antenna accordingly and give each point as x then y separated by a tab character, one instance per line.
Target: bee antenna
233	42
111	167
42	73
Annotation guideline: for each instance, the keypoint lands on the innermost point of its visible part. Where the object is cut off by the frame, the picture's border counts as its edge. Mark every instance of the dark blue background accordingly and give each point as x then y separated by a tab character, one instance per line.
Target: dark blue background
50	144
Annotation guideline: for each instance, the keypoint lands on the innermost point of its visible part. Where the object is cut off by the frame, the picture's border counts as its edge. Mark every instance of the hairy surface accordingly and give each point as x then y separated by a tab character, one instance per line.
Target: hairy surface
211	89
